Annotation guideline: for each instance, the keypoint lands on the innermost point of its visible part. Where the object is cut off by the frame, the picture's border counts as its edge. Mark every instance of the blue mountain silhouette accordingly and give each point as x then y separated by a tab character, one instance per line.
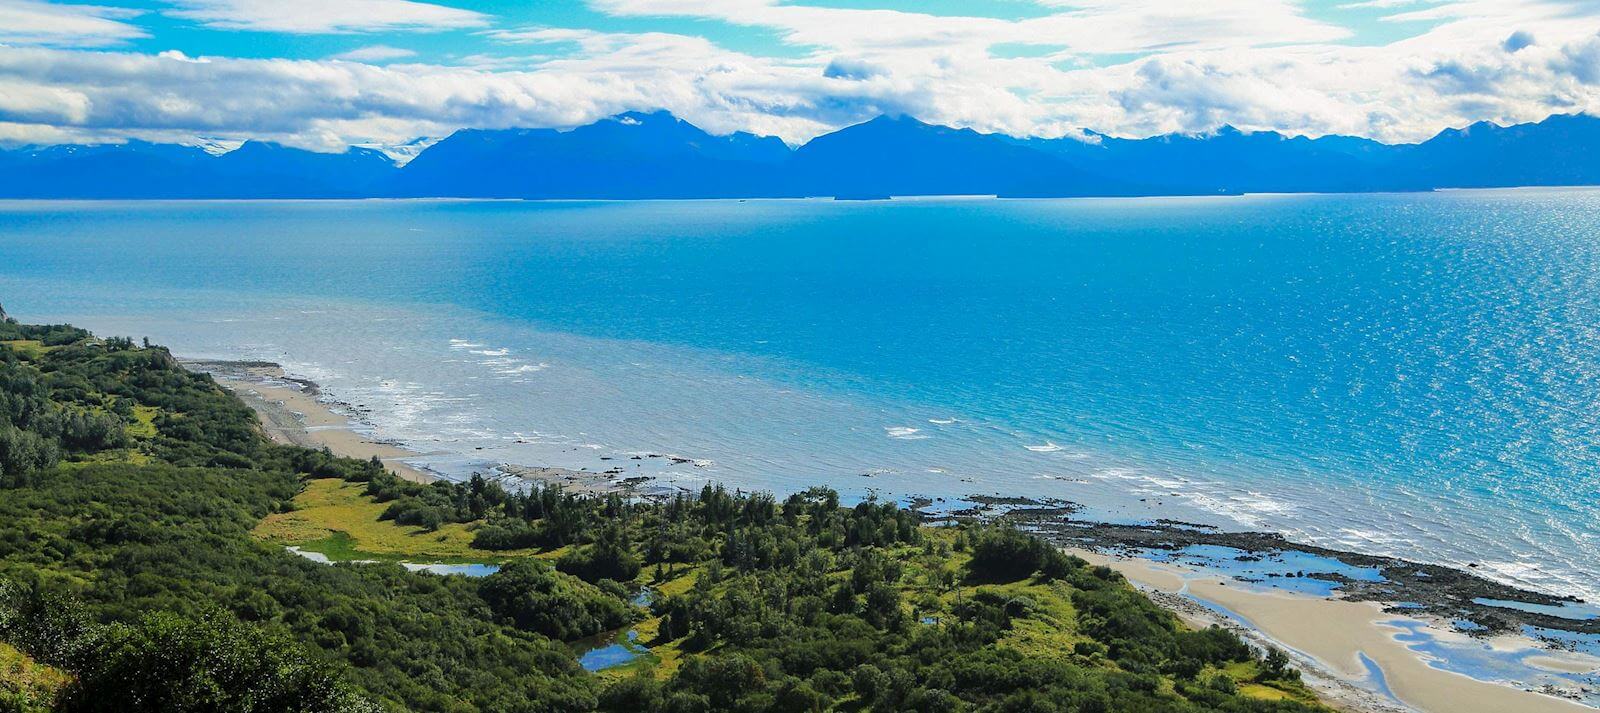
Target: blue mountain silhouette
657	155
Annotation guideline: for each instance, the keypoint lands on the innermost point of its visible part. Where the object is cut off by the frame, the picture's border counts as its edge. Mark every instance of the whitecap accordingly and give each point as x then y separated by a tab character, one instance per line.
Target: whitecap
943	421
1109	473
904	433
492	352
526	368
1048	447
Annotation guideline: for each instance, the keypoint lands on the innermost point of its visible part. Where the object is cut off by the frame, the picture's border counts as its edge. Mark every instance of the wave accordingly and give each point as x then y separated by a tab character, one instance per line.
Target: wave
524	369
905	433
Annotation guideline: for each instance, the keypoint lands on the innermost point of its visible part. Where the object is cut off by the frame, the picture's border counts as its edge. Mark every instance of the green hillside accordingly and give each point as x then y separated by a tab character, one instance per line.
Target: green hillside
144	518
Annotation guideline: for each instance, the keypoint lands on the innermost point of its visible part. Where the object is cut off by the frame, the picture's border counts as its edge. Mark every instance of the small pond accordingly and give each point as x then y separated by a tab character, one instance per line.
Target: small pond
609	650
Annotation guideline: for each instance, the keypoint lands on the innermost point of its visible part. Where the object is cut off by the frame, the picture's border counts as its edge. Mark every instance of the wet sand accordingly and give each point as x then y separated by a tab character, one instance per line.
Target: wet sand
1327	637
290	413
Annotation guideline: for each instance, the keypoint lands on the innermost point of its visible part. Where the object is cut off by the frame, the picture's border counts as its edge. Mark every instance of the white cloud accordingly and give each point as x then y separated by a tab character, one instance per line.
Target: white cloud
30	22
1083	26
375	53
326	16
1385	4
1253	64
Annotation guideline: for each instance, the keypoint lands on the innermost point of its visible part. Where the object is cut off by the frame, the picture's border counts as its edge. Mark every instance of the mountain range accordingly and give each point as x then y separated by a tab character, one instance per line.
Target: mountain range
656	155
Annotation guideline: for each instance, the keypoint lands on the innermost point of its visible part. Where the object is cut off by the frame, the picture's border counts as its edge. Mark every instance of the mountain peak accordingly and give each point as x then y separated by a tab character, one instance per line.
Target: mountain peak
639	118
895	119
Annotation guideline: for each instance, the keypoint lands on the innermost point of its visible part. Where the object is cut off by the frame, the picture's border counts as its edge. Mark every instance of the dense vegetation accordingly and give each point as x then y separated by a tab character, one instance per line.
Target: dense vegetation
131	489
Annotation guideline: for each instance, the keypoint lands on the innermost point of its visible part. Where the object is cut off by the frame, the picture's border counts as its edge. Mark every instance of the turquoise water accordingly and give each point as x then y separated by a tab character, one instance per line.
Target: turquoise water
1403	374
1300	572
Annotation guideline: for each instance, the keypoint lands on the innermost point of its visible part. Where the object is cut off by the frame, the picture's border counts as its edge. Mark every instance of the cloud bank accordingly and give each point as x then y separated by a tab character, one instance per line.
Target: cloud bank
325	16
1133	68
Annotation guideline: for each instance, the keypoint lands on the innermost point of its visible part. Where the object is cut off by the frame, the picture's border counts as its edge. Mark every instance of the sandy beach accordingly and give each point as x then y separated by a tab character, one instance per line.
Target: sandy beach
1328	638
290	413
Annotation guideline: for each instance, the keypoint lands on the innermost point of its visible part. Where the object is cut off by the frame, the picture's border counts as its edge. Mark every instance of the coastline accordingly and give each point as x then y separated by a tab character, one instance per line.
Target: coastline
1335	640
291	412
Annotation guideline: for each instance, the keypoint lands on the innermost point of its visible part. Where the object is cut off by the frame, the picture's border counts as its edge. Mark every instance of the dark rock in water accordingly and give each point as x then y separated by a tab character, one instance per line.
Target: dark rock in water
1002	500
1428	588
1181	523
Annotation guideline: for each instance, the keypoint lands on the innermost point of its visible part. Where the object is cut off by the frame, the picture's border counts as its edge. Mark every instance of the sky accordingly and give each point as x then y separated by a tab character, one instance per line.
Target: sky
327	74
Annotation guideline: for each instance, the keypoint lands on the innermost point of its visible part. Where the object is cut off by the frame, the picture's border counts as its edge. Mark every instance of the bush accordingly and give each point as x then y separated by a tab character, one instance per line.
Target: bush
1223	683
1004	554
1275	667
505	535
23	453
609	557
635	694
536	598
171	664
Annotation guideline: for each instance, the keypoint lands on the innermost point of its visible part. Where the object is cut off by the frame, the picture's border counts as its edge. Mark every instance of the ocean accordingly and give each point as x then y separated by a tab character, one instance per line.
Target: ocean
1412	374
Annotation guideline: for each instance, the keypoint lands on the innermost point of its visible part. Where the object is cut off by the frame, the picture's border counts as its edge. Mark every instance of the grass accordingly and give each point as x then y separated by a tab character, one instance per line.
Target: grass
144	422
29	348
665	656
337	519
116	455
1266	693
27	686
1245	673
141	430
1050	629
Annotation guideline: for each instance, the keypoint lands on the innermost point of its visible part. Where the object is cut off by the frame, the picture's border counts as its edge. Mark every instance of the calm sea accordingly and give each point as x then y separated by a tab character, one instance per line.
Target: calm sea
1406	374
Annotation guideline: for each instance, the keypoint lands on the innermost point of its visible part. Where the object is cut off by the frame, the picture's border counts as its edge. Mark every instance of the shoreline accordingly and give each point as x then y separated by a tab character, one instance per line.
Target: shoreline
291	412
1335	640
1337	643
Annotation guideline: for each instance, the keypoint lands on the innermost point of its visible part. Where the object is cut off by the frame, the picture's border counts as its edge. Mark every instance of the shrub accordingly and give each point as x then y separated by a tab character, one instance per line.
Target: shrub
1005	554
505	535
168	663
536	598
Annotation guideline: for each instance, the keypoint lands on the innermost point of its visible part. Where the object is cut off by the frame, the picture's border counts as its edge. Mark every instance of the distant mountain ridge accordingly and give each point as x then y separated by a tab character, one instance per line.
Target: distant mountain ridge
656	155
144	170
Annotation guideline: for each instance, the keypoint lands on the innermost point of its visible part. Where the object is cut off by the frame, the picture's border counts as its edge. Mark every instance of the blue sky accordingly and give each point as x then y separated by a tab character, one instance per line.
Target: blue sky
329	73
446	44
